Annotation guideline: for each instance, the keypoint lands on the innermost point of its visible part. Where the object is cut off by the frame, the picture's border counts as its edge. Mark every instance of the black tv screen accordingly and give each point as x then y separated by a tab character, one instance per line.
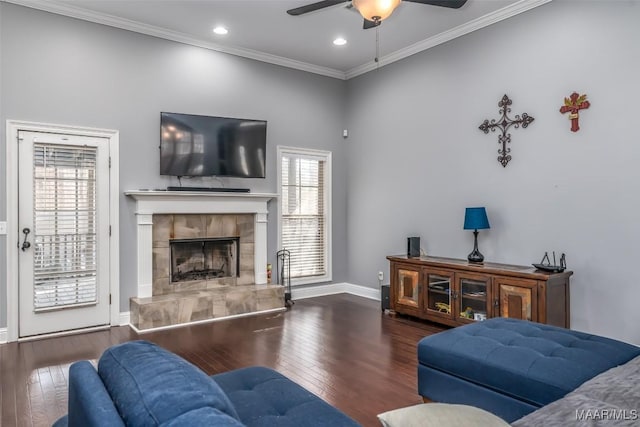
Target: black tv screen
192	145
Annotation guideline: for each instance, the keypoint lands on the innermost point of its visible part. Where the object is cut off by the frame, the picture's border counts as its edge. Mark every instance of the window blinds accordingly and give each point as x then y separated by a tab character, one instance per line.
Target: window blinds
303	216
65	246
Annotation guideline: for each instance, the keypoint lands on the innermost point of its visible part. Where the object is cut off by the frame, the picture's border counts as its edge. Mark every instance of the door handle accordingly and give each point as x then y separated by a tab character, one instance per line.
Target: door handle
25	245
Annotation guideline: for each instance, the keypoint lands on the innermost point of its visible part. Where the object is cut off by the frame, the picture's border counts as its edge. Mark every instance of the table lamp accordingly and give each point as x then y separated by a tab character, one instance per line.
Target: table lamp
475	219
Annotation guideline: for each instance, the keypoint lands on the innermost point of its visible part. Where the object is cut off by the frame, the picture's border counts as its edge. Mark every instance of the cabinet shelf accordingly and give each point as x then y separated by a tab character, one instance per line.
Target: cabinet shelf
474	297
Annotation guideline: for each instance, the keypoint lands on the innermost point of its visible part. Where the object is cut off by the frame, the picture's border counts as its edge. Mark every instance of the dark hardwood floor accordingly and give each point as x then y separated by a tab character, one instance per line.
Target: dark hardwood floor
340	347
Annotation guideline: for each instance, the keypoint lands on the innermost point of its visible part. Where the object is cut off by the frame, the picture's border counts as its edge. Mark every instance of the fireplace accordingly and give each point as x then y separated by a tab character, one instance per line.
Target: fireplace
204	259
205	251
217	243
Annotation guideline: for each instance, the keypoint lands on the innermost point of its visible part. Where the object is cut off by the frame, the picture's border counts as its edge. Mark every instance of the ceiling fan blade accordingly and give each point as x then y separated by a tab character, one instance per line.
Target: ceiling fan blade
453	4
370	24
314	6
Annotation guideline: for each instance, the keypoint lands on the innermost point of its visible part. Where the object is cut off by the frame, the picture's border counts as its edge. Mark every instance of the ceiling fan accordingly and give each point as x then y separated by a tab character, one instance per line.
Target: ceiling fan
373	11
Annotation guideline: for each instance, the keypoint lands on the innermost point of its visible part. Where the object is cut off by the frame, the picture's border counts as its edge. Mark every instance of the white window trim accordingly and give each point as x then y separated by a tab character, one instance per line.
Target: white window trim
321	155
13	238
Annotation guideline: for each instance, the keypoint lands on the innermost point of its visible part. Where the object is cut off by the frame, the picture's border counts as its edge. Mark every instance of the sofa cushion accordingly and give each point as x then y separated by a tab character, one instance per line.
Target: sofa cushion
89	402
266	398
151	386
207	416
529	361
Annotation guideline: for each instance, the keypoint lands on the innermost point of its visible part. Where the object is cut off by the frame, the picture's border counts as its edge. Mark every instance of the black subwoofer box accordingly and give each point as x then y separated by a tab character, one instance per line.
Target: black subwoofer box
385	298
413	247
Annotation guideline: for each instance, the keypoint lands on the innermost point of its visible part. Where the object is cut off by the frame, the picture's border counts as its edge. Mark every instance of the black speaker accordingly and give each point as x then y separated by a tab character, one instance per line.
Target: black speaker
385	299
413	247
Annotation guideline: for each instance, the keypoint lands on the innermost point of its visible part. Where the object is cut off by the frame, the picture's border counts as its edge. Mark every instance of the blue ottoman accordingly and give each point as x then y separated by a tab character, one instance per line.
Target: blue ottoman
512	367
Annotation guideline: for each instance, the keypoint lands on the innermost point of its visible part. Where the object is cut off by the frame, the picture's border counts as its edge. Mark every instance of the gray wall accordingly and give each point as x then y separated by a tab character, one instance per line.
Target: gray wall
65	71
417	158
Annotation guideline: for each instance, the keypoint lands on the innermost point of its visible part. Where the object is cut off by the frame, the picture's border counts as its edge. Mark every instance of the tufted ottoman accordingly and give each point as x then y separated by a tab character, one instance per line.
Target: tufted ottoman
512	367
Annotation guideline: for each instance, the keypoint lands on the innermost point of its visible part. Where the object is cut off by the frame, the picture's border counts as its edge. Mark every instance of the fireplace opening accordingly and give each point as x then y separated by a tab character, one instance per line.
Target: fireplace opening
204	259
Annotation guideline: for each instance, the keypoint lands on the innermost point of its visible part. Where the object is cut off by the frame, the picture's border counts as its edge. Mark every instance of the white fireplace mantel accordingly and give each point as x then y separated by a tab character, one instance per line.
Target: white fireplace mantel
153	202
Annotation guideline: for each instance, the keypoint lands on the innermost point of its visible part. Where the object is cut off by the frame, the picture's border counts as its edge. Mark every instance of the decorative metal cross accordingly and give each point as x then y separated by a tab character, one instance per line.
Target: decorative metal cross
573	105
504	124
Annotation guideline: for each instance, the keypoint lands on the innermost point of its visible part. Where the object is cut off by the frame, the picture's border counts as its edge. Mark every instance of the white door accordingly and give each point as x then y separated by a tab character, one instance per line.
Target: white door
63	213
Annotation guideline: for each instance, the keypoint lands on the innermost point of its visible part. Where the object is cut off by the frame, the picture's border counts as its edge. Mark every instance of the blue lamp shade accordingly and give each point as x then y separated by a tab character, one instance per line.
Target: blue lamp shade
476	219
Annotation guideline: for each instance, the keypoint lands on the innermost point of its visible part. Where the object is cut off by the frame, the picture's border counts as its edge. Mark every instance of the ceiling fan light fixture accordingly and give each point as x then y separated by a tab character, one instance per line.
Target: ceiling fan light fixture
375	10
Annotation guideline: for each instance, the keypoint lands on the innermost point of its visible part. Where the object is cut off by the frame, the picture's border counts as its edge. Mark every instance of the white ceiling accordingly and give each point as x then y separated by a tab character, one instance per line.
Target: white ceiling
263	30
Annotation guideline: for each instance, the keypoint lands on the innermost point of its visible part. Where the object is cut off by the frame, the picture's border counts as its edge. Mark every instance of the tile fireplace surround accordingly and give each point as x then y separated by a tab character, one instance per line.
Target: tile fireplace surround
162	216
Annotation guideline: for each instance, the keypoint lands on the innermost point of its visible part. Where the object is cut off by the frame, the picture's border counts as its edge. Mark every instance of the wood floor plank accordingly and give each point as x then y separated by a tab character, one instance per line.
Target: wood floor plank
340	347
23	401
7	374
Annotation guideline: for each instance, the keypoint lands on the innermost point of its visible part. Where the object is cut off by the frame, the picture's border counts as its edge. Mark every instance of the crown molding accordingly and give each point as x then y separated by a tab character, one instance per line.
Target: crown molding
445	36
151	30
176	36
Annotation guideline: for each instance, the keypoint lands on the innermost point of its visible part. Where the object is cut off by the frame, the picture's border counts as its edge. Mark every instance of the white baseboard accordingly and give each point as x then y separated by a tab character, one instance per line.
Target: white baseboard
317	291
362	291
124	318
3	335
333	289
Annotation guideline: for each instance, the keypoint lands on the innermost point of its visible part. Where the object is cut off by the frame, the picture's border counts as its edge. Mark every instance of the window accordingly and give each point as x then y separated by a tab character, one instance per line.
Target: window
65	270
305	221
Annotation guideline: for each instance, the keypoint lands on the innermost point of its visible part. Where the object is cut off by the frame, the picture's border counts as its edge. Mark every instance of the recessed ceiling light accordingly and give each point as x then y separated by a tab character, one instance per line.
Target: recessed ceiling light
339	41
220	30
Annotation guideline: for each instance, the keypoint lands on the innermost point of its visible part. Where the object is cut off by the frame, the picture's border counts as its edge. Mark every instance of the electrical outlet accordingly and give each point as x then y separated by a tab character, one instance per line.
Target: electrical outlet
380	276
3	228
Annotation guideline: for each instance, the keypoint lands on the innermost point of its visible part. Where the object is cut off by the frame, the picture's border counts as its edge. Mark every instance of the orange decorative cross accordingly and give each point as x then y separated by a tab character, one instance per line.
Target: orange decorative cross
573	105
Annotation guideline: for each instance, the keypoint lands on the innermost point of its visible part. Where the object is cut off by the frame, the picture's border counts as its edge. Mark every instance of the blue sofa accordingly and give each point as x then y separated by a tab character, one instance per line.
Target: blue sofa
512	367
140	384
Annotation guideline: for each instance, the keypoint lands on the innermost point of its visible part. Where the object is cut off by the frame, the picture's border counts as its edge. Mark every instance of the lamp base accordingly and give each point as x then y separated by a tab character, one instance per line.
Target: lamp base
475	256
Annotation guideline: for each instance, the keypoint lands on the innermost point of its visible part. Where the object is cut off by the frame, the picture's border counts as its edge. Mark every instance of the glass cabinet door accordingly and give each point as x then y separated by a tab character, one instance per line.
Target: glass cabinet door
474	298
439	296
408	293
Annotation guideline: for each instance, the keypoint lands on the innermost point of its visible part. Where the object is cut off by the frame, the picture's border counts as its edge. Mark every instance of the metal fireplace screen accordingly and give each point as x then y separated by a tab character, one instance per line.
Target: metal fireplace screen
204	259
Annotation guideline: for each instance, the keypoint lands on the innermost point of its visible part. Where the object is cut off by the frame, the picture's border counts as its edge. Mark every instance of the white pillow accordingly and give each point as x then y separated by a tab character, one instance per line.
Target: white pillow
440	415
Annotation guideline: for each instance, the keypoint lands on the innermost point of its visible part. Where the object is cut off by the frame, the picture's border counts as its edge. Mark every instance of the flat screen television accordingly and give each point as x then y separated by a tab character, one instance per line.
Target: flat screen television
192	145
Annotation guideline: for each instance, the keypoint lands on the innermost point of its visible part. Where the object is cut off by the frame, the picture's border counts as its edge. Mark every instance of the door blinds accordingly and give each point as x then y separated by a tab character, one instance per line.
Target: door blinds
303	216
65	250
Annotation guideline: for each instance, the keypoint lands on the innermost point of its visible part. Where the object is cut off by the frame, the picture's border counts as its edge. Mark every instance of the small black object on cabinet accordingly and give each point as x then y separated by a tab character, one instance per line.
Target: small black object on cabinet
413	247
